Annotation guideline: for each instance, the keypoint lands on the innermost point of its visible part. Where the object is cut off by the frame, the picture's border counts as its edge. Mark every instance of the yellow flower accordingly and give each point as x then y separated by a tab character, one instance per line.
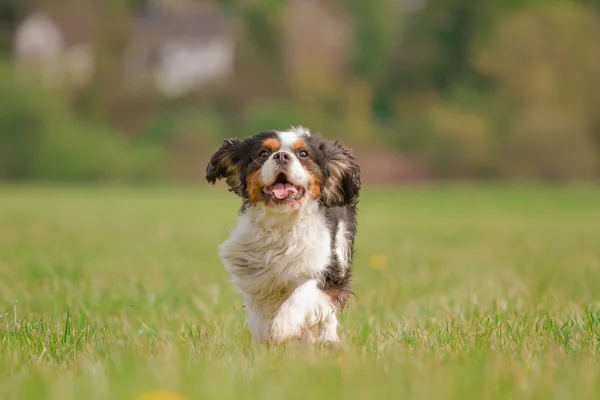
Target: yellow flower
161	396
378	261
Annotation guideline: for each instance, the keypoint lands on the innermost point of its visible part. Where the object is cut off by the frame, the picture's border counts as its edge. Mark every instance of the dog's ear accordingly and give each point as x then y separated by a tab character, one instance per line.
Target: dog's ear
226	163
341	184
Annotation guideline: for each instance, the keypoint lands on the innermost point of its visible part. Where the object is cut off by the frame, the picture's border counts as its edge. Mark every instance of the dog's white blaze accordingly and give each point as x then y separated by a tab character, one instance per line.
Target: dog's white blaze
269	171
300	131
342	246
287	140
296	173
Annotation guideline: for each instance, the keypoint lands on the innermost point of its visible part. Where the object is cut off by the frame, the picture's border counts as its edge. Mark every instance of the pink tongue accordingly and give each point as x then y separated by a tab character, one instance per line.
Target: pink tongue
282	191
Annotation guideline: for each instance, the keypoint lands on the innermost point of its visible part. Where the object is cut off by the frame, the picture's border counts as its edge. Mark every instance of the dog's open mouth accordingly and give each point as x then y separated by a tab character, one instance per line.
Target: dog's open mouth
282	190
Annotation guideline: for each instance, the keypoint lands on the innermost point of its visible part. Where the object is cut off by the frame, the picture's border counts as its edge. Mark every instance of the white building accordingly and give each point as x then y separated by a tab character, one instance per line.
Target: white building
42	49
175	49
180	50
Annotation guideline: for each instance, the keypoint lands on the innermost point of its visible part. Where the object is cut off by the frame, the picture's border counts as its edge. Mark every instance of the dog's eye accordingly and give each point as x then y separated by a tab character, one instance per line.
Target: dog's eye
302	154
264	154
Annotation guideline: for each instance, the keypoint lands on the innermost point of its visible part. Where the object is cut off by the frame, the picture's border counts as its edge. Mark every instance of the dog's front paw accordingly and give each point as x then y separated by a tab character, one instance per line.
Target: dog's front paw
329	341
285	328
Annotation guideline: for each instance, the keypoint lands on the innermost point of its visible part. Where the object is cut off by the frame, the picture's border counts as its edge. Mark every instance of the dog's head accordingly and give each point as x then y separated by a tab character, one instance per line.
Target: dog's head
285	170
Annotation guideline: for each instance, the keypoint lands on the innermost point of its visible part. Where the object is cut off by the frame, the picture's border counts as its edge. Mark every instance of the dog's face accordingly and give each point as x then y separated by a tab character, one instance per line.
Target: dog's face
285	170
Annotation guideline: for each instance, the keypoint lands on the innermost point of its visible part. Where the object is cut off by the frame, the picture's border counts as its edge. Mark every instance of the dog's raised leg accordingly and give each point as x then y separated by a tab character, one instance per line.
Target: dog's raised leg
328	330
306	307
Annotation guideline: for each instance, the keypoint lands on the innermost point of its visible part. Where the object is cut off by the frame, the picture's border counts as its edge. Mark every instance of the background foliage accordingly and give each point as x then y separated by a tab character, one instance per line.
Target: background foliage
492	89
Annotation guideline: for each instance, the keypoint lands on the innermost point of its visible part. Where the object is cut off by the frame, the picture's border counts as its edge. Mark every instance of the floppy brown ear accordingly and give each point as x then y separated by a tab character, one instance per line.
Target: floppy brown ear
225	163
341	186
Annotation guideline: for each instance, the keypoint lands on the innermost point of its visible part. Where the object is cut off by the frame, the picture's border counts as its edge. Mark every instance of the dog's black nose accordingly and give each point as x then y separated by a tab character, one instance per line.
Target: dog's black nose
282	157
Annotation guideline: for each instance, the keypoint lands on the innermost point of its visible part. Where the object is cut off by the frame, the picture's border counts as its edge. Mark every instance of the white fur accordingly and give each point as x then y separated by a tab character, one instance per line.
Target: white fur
296	174
306	309
328	332
342	246
300	130
275	259
287	140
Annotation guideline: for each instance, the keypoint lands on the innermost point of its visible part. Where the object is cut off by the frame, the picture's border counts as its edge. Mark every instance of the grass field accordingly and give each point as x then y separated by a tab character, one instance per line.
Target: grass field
461	292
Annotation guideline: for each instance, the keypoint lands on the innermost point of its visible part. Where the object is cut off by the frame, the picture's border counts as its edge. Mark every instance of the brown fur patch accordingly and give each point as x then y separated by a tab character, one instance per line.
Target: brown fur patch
298	145
254	187
338	298
314	189
271	144
316	180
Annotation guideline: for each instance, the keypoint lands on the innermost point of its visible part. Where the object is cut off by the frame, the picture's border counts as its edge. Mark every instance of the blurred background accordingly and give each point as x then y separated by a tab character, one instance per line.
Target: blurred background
145	90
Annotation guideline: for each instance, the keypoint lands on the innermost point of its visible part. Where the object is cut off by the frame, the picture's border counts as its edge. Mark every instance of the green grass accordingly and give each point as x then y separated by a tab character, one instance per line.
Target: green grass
461	292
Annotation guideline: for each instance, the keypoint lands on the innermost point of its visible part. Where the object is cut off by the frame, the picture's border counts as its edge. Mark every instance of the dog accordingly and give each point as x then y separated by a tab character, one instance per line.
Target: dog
290	255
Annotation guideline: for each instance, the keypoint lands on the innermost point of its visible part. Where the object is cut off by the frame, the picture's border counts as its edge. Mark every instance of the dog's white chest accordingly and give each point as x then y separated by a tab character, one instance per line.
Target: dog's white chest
267	263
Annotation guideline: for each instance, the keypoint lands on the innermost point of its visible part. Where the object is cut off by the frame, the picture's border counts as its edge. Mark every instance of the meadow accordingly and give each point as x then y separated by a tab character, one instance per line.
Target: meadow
477	292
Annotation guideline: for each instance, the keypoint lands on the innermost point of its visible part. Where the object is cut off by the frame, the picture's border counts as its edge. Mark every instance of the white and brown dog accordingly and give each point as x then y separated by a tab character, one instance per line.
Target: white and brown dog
291	252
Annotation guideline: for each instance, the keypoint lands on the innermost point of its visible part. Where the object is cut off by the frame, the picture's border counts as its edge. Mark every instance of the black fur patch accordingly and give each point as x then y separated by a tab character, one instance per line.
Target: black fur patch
337	279
341	173
233	160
